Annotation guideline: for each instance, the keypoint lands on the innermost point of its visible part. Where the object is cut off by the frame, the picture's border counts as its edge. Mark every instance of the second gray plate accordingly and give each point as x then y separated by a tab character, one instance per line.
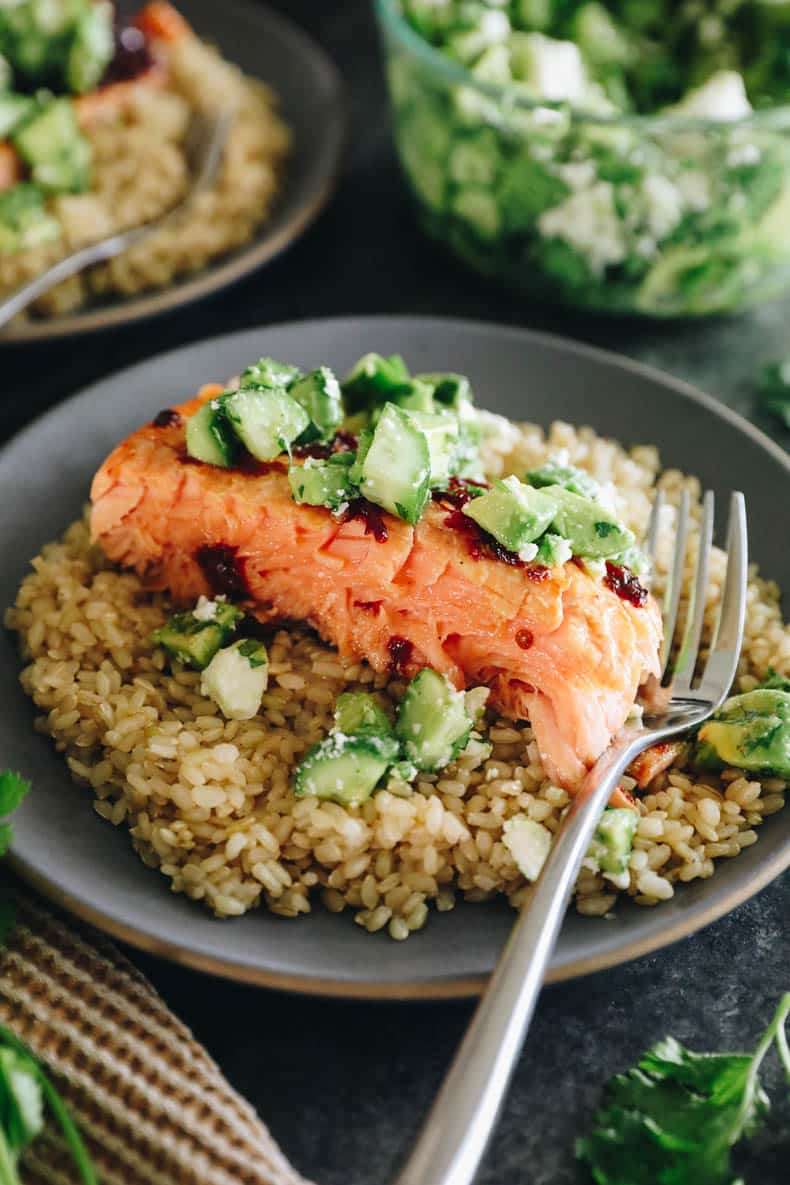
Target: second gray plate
89	867
312	103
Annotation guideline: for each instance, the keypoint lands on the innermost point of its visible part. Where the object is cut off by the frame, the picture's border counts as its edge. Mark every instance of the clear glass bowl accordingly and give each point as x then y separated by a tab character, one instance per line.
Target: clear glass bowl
664	216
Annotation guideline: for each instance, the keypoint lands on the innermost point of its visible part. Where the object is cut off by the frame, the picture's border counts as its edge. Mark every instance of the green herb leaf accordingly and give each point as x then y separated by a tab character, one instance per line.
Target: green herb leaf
13	788
674	1118
6	837
20	1114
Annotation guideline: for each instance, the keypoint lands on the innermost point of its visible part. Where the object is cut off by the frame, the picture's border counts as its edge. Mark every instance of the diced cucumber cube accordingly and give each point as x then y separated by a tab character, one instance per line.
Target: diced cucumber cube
363	447
92	47
323	482
610	850
442	431
526	190
266	421
344	769
209	436
268	372
599	37
319	394
451	390
357	712
373	379
194	638
51	143
590	529
415	396
529	844
236	679
433	722
514	513
396	470
491	27
13	110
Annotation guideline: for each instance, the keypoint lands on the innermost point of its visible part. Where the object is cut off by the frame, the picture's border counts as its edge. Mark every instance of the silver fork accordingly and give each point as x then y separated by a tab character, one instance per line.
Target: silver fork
459	1125
204	147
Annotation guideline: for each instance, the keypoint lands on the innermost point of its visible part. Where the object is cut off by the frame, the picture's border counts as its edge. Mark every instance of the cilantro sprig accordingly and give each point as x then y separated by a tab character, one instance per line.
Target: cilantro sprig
675	1117
25	1094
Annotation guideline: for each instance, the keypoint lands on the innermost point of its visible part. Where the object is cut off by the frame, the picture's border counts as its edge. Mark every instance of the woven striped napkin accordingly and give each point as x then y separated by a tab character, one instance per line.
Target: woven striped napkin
150	1102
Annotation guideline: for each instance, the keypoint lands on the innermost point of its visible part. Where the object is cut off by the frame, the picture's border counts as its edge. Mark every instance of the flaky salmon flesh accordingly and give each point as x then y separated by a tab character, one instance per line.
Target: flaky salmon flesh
557	646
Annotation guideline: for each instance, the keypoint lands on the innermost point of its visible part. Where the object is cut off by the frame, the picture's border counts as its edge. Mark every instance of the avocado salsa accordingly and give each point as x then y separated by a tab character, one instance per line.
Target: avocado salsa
626	156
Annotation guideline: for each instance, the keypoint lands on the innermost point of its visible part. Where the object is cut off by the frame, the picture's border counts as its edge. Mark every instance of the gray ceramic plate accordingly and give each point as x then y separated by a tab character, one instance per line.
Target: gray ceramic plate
313	105
88	866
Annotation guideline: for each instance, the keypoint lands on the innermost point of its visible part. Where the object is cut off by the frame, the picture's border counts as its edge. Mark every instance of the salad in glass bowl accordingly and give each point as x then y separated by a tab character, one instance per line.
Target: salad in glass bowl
631	156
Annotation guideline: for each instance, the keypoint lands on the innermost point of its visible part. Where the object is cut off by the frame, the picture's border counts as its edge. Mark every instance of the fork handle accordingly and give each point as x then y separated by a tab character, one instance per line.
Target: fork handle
99	252
459	1125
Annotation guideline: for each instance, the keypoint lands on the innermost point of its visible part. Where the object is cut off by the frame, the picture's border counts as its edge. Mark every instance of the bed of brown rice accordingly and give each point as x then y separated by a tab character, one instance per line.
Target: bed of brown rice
140	170
208	801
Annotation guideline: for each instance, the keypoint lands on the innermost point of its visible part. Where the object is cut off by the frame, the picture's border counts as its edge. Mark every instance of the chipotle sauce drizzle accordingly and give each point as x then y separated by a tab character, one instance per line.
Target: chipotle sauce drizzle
343	442
371	516
524	639
223	570
400	652
625	585
168	417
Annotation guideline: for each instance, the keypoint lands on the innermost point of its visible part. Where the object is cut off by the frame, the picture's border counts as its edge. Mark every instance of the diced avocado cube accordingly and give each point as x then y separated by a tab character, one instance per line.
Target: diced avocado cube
323	482
590	529
433	722
209	436
14	109
319	394
195	640
599	37
395	472
92	47
373	379
567	476
414	395
266	420
475	160
344	769
528	843
268	372
514	513
610	849
451	390
442	431
24	219
750	731
357	713
51	143
476	206
236	679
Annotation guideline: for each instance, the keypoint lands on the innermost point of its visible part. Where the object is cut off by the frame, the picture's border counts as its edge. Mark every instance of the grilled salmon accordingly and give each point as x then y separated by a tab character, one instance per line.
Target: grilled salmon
557	646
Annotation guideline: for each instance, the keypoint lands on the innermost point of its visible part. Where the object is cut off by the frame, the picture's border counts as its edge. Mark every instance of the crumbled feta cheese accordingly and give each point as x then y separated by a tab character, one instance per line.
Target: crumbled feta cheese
528	553
722	97
664	203
588	221
554	69
205	610
235	685
528	843
743	154
578	174
694	185
342	508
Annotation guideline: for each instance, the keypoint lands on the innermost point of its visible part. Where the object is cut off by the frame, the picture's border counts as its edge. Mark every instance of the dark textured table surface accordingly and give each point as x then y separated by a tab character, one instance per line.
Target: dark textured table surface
344	1086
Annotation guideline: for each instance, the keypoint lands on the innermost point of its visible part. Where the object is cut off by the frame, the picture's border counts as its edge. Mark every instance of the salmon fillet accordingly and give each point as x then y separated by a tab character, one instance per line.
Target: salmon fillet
556	646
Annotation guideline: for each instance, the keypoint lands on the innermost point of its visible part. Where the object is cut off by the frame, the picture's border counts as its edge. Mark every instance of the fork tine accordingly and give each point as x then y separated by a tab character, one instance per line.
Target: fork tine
675	580
689	649
726	646
651	537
